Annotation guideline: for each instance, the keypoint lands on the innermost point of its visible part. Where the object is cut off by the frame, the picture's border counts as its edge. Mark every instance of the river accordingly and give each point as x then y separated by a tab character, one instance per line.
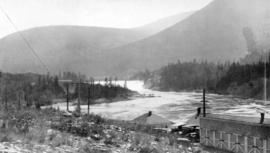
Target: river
175	106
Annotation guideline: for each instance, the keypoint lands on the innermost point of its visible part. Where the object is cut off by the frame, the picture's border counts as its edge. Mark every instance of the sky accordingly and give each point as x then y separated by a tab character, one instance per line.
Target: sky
105	13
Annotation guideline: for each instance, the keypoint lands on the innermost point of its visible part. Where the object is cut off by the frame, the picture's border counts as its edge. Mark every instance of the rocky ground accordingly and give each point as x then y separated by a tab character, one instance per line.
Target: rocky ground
58	142
69	144
51	131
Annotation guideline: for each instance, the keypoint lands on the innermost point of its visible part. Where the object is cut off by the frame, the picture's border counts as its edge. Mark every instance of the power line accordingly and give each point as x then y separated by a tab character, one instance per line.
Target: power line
26	41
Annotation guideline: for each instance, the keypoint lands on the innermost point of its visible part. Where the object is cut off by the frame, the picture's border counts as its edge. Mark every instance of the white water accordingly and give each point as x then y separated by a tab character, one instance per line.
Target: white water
175	106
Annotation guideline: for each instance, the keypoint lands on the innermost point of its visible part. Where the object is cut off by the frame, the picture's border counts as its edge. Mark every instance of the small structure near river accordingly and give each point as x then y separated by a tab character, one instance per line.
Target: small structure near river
153	120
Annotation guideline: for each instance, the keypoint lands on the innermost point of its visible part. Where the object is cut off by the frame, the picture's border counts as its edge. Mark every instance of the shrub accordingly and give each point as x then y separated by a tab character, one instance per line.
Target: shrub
93	118
23	121
5	138
77	126
83	129
148	150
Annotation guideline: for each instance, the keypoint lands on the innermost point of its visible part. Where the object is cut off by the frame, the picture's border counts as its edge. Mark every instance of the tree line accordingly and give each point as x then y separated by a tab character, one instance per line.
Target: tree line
29	89
95	90
236	78
35	90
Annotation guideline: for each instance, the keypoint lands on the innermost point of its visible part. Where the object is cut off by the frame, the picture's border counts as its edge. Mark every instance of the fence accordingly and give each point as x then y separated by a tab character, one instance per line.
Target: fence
234	135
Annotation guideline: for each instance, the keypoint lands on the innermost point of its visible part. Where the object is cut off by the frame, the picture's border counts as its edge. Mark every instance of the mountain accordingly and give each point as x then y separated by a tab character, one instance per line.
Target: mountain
217	32
60	46
71	48
162	24
223	30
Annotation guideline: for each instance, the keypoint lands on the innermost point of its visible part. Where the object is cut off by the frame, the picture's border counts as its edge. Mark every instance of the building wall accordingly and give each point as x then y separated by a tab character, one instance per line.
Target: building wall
235	136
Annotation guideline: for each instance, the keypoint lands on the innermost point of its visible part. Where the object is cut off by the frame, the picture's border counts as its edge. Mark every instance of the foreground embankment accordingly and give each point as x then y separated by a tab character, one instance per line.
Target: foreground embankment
50	130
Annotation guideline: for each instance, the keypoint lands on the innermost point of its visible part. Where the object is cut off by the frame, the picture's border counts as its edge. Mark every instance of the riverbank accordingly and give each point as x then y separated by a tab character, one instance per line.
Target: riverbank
62	104
131	96
238	79
239	94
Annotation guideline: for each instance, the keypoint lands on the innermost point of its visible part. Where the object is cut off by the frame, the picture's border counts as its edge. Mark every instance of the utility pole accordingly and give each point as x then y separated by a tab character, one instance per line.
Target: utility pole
90	92
265	81
88	99
262	118
67	88
79	98
93	91
204	109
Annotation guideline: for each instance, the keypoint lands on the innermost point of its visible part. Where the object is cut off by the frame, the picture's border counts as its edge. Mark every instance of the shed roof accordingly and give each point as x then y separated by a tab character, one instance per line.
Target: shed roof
152	119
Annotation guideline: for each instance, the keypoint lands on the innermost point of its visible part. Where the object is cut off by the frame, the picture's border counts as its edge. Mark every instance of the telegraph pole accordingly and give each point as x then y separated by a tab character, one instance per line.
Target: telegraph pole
67	88
265	80
88	100
79	97
93	91
204	109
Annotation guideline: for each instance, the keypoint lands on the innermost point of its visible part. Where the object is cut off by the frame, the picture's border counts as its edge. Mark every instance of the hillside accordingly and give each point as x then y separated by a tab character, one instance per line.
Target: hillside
60	46
162	24
223	30
215	33
71	48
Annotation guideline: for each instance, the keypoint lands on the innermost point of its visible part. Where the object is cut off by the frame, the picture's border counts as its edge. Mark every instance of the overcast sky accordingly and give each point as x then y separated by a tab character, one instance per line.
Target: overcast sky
107	13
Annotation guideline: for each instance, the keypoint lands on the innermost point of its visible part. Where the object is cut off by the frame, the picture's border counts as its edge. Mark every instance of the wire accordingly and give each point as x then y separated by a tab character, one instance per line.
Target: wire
26	41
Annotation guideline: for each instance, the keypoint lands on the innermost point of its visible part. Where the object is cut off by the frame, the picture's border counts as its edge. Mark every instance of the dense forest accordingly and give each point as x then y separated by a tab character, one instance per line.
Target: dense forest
237	78
35	90
108	90
29	89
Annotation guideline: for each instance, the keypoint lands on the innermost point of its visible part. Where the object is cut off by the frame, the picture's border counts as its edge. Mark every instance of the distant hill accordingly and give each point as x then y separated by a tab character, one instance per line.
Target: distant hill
223	30
60	46
217	33
72	48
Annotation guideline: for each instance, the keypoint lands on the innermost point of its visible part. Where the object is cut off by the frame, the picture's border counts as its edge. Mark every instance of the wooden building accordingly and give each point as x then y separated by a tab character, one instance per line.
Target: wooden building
234	133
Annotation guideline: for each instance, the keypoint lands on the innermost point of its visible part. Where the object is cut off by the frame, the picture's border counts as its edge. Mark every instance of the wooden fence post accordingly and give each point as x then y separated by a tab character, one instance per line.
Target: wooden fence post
236	142
214	138
221	141
201	137
229	141
206	136
264	146
246	144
